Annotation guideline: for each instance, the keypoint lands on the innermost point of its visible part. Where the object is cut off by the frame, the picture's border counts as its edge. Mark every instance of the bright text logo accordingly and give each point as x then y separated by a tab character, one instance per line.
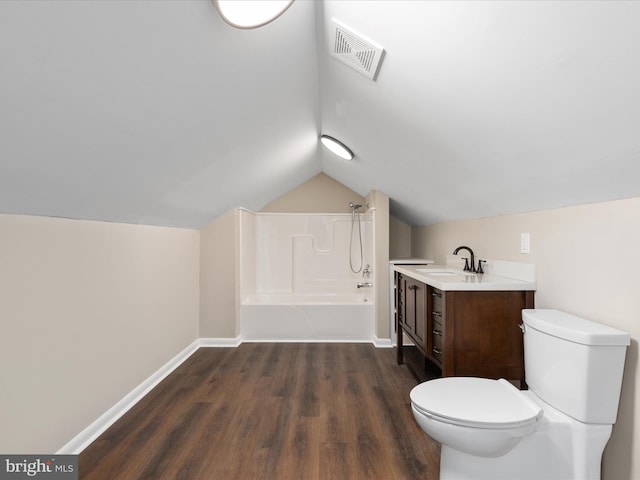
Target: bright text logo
54	467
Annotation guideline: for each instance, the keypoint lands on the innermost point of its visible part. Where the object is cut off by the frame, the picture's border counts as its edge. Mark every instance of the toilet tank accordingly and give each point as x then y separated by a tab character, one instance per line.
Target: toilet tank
574	364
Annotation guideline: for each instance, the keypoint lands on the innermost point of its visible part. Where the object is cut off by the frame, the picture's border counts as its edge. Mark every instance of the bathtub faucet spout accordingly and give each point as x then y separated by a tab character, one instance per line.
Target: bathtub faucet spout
365	285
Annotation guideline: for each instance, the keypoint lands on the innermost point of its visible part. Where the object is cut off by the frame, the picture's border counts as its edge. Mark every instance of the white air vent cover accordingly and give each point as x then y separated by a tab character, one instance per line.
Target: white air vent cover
360	54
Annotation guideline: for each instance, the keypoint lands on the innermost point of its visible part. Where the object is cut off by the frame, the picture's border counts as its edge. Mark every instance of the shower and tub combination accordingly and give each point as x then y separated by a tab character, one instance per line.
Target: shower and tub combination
307	277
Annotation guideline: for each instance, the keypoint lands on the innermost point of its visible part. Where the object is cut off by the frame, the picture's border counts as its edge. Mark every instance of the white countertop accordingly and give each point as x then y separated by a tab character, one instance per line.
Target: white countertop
410	261
449	278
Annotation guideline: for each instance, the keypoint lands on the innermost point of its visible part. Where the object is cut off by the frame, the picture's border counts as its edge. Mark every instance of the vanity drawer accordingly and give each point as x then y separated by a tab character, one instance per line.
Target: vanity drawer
437	300
437	344
436	314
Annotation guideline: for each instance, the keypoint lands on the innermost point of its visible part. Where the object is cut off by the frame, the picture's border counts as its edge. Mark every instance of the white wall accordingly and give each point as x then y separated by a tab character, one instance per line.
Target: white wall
88	310
587	261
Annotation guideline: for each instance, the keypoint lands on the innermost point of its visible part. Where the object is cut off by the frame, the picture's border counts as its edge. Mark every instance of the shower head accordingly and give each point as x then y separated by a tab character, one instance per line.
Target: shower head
354	206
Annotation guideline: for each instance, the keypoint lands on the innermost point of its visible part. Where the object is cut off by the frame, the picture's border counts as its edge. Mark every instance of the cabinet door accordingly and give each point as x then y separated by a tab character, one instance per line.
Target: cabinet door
410	305
420	326
482	334
416	311
401	288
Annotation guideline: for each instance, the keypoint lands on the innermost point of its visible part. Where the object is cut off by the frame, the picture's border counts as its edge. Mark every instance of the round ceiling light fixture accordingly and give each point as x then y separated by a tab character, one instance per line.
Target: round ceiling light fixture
337	147
251	13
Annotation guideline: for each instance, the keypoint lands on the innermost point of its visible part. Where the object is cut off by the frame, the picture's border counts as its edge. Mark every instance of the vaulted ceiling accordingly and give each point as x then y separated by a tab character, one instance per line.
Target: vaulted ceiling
158	112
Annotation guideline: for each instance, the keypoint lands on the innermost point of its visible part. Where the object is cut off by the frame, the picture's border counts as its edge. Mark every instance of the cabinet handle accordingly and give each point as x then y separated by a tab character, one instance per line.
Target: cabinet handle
436	332
434	294
436	313
436	351
413	287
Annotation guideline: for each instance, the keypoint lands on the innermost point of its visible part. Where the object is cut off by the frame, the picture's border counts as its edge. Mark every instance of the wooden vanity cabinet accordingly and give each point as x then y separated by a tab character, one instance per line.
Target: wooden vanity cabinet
466	333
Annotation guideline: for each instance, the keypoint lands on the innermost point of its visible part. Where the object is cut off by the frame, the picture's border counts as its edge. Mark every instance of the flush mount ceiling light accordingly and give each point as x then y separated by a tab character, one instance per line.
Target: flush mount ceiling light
251	13
337	147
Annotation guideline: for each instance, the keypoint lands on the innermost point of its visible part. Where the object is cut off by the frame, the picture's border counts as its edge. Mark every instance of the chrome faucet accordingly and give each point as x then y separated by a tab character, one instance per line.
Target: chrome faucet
467	268
365	285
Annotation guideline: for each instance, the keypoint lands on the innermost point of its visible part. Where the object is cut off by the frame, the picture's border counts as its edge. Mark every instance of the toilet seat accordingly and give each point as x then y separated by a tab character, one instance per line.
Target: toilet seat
475	402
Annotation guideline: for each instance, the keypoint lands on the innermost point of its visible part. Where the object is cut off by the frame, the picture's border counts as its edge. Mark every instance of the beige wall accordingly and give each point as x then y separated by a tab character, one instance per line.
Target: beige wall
380	201
88	311
399	238
219	245
320	194
587	260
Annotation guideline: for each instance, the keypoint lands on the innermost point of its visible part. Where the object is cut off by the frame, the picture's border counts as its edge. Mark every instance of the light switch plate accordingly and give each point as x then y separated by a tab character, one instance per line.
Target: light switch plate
525	243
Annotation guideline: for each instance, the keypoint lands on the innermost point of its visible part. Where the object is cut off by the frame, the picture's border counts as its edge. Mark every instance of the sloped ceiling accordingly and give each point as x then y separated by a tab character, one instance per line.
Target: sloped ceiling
152	111
486	108
158	112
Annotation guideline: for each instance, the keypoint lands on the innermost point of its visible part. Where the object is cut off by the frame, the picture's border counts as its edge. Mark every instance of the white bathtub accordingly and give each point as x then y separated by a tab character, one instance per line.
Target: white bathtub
307	318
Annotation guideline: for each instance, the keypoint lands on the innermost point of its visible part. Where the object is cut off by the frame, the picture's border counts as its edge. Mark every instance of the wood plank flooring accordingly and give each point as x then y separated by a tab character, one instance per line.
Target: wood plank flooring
271	411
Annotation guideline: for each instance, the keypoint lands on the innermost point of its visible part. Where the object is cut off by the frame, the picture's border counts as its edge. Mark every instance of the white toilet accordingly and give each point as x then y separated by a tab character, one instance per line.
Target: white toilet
555	430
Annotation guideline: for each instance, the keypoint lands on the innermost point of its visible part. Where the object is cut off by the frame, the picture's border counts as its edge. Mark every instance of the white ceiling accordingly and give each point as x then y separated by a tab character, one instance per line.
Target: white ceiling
158	112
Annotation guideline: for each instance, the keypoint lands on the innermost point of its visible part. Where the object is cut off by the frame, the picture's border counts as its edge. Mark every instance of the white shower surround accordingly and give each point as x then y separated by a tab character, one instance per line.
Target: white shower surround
296	284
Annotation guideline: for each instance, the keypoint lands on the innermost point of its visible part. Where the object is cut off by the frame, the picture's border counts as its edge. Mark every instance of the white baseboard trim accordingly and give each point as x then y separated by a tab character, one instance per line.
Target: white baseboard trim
93	431
219	342
97	428
304	340
382	342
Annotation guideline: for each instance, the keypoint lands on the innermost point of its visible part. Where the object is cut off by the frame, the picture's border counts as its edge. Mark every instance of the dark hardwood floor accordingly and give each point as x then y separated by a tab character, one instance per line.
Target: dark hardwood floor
271	411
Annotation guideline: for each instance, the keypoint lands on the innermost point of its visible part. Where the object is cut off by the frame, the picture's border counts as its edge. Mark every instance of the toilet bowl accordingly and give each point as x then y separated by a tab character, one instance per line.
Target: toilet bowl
559	448
478	416
556	430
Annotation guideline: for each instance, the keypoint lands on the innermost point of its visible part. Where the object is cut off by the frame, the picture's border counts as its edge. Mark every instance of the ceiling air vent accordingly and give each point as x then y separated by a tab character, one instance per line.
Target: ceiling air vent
360	54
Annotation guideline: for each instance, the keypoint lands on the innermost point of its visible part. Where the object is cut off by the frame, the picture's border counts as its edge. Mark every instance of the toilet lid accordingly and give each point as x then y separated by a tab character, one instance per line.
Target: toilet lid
475	402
